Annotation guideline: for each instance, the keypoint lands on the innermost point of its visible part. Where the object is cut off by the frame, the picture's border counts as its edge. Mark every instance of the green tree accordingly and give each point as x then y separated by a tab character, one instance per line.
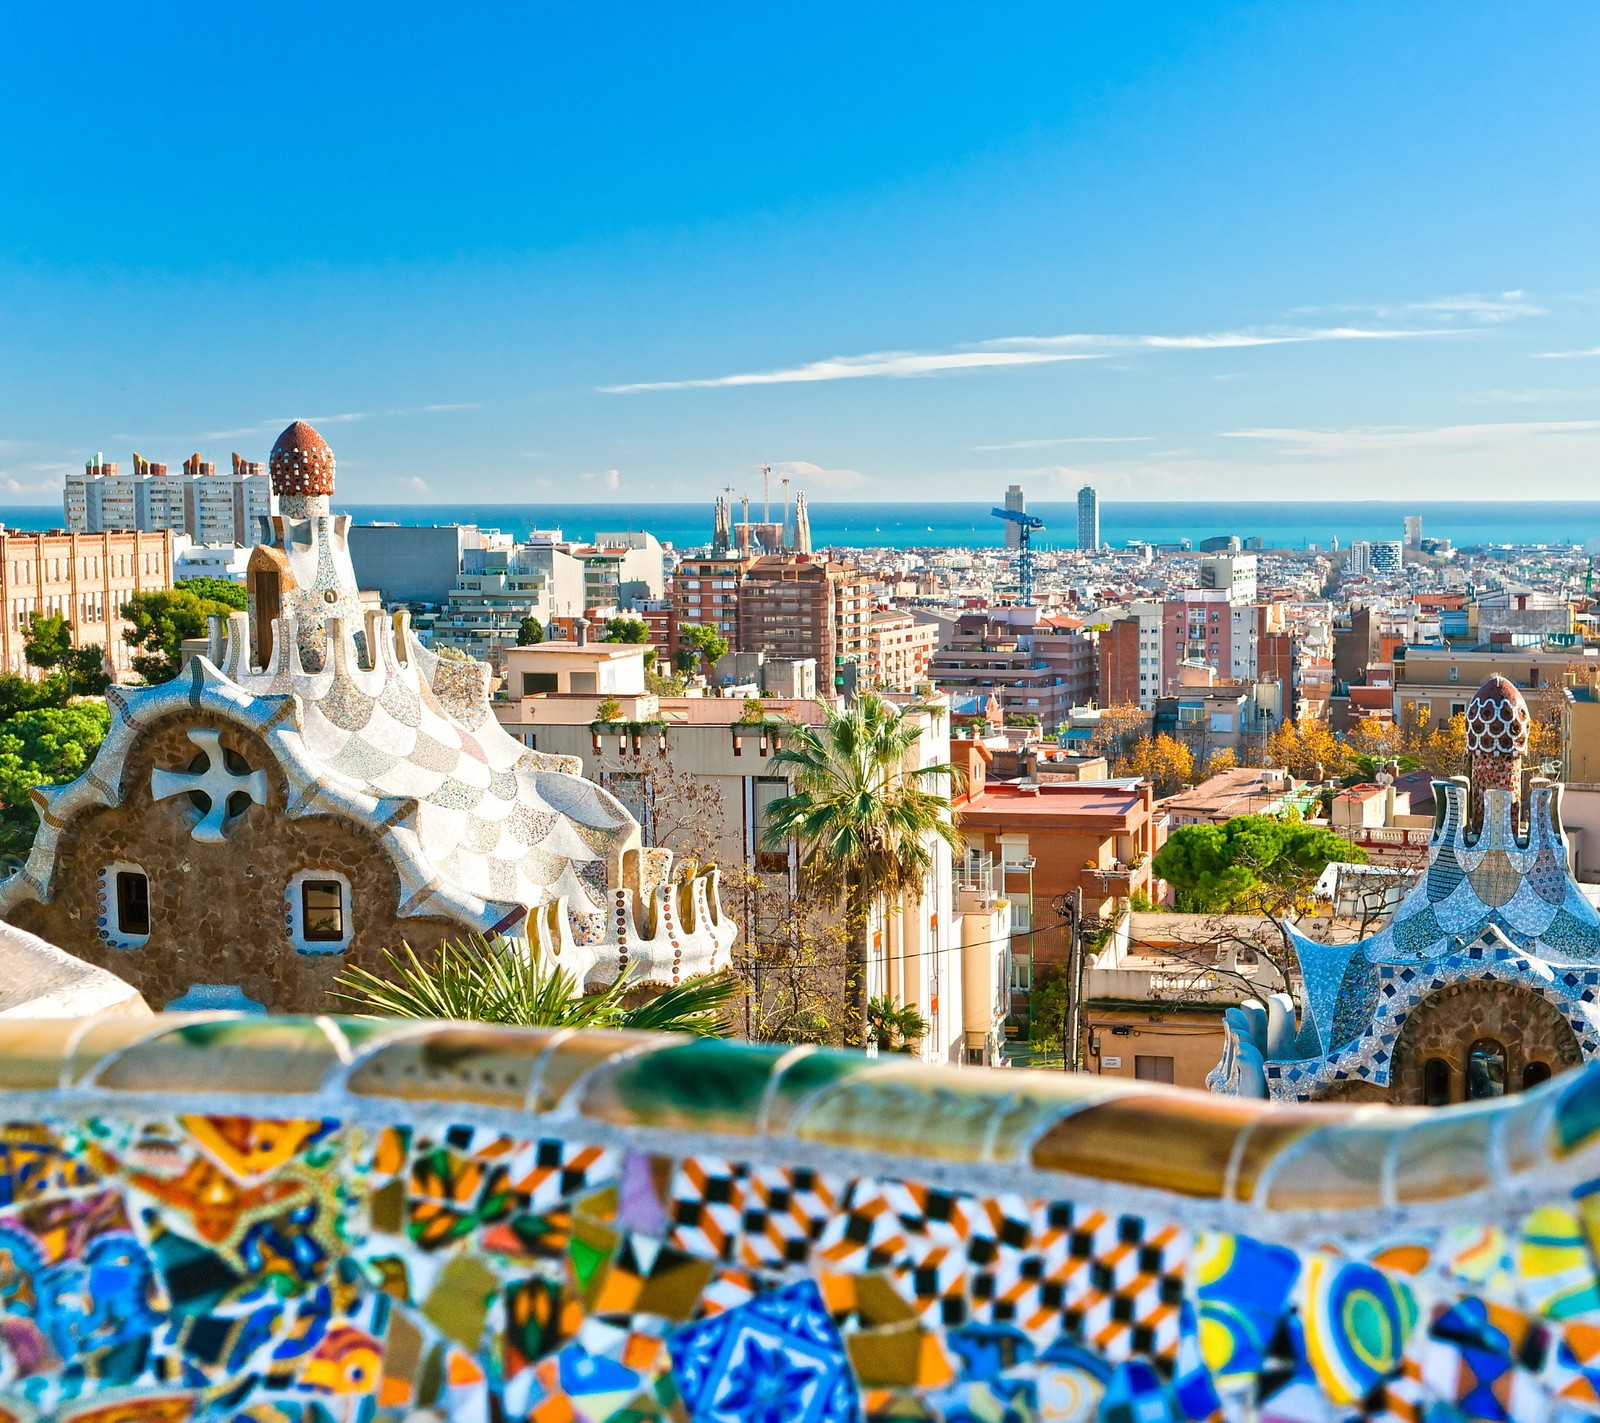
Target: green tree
43	746
866	820
160	621
1249	864
20	694
530	632
608	711
48	645
216	590
700	644
633	630
490	981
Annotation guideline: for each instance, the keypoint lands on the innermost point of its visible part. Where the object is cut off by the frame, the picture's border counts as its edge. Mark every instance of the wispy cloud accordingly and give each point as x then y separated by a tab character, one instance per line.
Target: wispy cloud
1067	440
1566	355
609	480
1467	306
877	363
414	483
1373	439
1218	340
274	424
1010	351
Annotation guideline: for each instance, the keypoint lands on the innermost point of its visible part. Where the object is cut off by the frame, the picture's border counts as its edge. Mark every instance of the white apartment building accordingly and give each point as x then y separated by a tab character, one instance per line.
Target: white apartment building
210	508
497	588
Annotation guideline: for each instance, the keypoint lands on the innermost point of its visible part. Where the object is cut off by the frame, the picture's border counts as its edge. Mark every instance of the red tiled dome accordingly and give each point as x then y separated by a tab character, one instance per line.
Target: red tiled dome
301	462
1497	720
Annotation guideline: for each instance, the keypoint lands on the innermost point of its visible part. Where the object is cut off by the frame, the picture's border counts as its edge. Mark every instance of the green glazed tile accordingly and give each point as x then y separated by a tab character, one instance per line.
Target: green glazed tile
703	1085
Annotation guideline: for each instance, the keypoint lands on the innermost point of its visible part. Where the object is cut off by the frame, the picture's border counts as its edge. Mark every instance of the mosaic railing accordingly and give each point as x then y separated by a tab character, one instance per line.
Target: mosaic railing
324	1220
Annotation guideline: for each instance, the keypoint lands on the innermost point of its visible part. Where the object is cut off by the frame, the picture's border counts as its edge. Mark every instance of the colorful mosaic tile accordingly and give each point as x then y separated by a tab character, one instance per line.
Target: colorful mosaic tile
358	1259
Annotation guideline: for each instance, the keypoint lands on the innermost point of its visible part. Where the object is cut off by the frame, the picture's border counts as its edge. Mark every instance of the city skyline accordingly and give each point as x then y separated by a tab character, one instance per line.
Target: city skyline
1173	254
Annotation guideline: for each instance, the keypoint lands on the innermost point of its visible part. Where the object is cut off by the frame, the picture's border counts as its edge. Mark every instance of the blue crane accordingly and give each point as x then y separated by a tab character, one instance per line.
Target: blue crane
1026	525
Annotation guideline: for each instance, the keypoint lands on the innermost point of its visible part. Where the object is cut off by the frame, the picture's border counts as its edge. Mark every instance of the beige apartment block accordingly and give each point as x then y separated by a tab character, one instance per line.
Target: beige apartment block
85	578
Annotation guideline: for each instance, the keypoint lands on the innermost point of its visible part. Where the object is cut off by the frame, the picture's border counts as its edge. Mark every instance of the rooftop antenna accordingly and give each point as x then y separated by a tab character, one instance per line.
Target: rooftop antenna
766	491
786	511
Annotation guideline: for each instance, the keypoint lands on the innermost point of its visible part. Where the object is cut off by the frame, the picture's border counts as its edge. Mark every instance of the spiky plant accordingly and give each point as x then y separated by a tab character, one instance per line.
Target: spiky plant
490	981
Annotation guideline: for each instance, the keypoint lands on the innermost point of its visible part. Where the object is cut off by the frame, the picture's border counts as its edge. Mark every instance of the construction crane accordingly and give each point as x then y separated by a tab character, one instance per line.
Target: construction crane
1026	524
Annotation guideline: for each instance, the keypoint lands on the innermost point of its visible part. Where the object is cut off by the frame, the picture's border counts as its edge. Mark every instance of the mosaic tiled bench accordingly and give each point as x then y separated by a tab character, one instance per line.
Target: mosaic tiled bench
318	1220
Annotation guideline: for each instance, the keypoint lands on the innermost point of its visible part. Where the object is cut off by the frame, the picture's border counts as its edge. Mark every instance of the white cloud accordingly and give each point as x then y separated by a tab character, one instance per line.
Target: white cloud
1373	439
609	480
1566	355
10	484
1470	306
1008	351
877	363
1067	440
414	483
1217	341
802	474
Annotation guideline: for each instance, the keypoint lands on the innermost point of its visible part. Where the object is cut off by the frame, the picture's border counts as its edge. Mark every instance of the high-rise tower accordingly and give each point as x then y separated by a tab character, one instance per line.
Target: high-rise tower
1016	502
1088	518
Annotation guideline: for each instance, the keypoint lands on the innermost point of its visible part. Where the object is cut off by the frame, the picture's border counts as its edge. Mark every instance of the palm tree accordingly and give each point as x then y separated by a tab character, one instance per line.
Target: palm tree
865	819
488	981
895	1025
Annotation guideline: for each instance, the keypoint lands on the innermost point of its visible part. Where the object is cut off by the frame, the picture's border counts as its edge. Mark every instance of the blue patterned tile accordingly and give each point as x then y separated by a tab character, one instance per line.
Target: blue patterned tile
776	1359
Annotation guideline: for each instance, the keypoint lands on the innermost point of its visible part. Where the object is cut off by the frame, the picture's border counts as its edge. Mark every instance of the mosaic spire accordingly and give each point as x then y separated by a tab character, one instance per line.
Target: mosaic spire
1497	740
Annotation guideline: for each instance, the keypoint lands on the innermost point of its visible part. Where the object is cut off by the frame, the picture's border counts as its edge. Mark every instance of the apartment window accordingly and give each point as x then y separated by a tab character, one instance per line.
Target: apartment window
534	683
1455	674
319	911
1152	1069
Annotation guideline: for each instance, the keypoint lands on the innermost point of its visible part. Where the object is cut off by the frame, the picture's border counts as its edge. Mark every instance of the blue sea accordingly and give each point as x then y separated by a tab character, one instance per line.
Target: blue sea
1291	525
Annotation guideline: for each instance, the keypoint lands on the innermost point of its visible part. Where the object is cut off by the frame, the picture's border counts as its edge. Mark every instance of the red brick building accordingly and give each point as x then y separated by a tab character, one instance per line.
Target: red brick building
1042	841
1119	664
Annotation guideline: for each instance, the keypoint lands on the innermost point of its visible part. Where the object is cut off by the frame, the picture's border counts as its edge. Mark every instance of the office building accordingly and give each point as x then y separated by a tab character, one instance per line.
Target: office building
1088	518
1414	532
1234	573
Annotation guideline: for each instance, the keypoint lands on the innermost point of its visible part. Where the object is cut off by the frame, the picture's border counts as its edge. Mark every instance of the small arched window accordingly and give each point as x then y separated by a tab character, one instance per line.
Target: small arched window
1486	1070
1436	1082
1535	1073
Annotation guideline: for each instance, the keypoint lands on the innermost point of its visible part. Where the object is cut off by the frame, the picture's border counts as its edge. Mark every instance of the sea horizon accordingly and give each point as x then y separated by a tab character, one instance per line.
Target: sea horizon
1280	524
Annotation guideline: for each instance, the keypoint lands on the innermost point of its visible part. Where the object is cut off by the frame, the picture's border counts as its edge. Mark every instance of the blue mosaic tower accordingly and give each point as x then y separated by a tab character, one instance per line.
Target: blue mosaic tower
1497	904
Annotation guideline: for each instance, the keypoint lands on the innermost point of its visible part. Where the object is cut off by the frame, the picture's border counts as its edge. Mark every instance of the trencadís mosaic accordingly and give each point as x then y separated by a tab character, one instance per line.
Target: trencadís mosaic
319	1220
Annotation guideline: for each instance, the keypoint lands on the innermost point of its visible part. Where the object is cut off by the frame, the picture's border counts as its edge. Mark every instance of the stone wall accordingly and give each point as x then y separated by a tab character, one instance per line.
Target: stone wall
288	1219
218	911
1450	1020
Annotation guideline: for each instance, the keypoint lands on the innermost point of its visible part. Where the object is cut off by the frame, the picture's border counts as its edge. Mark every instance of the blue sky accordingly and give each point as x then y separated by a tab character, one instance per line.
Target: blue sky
540	253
